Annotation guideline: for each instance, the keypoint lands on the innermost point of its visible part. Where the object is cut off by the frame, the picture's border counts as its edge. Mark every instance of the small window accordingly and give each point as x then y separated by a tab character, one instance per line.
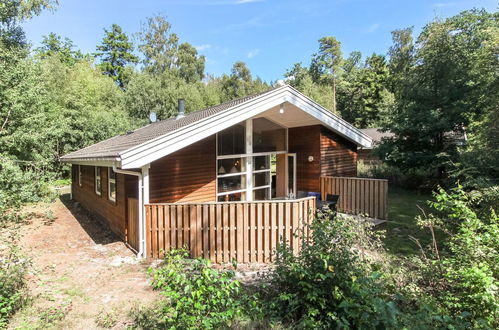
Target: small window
111	187
80	183
98	184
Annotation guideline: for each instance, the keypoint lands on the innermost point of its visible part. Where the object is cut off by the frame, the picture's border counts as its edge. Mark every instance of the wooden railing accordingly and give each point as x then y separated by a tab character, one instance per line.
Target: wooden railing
358	195
222	232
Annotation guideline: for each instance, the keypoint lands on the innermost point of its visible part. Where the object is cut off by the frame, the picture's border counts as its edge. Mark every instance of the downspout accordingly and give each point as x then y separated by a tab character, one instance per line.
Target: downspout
141	253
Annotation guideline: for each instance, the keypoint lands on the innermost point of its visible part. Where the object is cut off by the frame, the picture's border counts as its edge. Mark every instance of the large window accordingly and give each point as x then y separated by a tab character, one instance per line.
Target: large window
232	141
98	183
268	136
243	175
111	185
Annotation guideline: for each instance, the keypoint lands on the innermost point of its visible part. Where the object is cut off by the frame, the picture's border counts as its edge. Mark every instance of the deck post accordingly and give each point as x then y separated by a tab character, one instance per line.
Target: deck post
145	200
249	160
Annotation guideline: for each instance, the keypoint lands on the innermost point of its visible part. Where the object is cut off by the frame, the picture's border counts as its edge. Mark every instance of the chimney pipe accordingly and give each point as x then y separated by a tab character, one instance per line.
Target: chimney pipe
181	108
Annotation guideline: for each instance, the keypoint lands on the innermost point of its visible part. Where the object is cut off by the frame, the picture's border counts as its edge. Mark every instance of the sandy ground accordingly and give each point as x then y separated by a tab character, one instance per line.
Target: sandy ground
82	276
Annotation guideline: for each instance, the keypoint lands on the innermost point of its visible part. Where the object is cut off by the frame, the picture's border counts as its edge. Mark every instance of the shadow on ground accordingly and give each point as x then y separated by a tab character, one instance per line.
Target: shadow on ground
95	227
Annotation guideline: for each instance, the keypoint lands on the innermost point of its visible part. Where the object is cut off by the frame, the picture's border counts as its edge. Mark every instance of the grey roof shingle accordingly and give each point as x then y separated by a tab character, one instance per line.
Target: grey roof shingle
111	148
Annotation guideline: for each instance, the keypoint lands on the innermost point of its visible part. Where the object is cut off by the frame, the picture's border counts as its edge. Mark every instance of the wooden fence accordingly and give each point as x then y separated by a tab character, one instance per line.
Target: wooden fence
358	195
222	232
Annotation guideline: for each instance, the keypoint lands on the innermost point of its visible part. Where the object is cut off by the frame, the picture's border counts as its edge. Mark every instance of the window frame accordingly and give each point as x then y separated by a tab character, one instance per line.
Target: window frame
98	174
109	196
80	183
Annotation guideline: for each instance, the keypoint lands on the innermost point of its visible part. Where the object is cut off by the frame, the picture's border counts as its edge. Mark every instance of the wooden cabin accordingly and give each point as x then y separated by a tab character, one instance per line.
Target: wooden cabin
255	160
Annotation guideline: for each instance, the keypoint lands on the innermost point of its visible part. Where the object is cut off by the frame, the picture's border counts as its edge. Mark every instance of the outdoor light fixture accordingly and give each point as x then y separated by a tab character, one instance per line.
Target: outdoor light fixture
310	159
281	109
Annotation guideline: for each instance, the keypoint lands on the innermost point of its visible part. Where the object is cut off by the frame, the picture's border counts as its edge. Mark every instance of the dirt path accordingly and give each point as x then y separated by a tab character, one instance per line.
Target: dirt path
82	276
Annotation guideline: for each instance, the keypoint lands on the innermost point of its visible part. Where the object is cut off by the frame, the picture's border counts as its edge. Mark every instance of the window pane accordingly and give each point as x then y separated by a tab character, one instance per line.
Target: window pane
261	194
112	174
231	165
268	136
112	190
261	163
236	197
231	183
232	141
261	179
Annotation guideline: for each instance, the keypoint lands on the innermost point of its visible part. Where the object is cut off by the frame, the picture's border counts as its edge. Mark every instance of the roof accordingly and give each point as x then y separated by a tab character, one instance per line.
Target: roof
144	145
112	147
376	134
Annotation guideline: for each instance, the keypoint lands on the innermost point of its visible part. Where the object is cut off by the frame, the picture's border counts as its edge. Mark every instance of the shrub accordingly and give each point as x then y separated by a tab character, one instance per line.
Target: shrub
13	290
195	295
335	281
464	274
410	179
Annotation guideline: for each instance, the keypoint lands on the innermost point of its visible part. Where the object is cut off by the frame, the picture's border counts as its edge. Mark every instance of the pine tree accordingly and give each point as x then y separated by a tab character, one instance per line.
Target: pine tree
116	53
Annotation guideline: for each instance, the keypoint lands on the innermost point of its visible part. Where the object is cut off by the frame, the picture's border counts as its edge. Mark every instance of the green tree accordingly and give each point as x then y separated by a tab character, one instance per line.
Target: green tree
163	53
240	83
14	12
116	54
190	64
454	73
326	64
53	45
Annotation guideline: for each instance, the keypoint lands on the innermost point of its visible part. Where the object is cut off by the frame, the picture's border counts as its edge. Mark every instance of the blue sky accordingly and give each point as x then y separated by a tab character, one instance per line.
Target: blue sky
269	35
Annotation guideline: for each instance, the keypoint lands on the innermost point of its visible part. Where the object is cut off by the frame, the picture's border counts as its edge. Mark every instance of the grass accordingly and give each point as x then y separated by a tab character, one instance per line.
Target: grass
402	211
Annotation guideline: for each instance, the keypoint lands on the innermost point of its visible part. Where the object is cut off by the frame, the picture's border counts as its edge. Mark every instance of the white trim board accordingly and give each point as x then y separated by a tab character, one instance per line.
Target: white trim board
164	145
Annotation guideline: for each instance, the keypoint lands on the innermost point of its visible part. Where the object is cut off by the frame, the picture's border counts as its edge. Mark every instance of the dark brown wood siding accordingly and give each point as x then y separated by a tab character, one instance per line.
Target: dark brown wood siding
188	175
333	155
338	155
113	212
304	141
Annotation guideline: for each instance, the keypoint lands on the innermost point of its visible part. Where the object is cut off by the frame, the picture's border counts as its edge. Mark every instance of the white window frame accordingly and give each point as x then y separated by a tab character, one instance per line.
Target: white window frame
80	183
249	171
97	174
109	196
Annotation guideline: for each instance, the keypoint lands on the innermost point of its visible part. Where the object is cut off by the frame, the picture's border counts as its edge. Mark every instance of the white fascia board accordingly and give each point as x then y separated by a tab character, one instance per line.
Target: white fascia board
105	162
167	144
329	119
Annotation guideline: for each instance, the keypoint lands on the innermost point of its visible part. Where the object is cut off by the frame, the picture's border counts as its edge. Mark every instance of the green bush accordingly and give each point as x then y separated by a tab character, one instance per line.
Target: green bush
18	186
13	290
336	280
410	179
463	275
195	295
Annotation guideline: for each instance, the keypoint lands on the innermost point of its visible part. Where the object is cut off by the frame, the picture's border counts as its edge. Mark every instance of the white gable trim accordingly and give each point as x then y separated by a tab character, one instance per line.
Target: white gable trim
152	150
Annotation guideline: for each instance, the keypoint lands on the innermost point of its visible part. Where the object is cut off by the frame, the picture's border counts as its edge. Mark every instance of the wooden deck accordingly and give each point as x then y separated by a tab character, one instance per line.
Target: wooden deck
226	231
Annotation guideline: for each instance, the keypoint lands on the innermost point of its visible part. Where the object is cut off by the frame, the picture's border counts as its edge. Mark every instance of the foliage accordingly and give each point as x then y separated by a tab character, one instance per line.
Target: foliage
116	54
195	295
162	52
53	45
12	13
447	81
463	276
13	289
334	282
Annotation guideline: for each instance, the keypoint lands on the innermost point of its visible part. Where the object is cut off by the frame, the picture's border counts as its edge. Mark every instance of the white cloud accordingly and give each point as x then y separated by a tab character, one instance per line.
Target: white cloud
373	28
202	47
254	52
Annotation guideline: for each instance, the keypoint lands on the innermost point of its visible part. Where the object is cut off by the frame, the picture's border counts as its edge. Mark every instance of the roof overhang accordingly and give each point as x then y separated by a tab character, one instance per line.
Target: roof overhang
164	145
157	148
